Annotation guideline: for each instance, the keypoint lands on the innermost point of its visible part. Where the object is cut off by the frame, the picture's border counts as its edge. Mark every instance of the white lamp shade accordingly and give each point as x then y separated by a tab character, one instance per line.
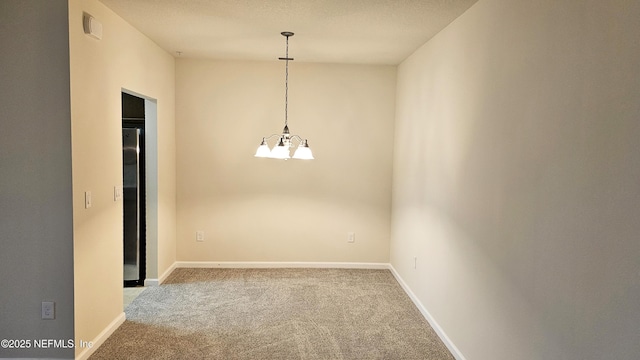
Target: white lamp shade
263	151
280	152
303	153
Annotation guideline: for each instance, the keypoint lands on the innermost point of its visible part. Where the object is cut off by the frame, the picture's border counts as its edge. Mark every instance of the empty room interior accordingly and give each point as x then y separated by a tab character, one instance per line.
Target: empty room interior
484	154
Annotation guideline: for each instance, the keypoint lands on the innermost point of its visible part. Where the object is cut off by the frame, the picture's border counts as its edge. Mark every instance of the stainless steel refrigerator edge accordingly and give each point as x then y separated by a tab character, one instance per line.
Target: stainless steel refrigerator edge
131	203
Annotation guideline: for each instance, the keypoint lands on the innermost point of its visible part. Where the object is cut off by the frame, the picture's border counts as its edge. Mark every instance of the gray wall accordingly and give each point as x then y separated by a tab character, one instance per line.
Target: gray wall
517	179
36	229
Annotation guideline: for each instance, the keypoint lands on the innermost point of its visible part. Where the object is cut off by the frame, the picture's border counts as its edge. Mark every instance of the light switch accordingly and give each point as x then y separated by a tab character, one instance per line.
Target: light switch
117	193
87	199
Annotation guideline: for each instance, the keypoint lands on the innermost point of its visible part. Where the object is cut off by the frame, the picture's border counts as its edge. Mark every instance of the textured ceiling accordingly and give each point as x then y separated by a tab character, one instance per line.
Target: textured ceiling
336	31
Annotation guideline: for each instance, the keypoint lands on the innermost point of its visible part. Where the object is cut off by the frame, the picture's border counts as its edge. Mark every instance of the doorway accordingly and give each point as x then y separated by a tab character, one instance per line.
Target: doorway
134	190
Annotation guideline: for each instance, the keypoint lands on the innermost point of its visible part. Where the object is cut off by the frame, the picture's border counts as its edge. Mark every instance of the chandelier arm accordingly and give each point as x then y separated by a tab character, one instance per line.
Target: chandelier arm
269	137
297	137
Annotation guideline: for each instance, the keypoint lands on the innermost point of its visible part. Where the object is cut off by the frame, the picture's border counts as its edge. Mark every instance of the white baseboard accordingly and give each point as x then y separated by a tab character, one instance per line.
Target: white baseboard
95	343
151	282
434	324
285	264
162	278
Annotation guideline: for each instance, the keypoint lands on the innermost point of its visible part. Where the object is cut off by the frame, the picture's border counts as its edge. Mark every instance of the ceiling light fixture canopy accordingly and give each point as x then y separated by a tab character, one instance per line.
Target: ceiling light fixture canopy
285	140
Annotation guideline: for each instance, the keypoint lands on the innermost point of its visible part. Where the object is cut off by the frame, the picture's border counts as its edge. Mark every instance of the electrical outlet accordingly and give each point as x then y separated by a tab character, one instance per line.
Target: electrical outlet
199	235
48	310
351	237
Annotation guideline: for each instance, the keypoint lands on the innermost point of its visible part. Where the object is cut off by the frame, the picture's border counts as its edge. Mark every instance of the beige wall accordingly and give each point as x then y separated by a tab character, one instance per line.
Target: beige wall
100	70
36	224
256	209
516	179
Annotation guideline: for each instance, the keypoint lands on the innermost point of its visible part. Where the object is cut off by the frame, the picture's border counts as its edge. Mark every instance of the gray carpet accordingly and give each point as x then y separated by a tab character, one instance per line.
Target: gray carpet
274	314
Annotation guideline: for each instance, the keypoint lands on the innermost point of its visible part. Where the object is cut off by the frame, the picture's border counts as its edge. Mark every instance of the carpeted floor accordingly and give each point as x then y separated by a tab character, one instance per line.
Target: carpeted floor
274	314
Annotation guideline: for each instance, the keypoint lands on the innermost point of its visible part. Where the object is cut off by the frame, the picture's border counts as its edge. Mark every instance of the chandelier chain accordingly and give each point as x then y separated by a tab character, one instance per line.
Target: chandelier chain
286	85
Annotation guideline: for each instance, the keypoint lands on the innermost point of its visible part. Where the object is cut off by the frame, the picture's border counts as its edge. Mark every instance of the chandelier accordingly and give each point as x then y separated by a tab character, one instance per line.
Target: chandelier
285	140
